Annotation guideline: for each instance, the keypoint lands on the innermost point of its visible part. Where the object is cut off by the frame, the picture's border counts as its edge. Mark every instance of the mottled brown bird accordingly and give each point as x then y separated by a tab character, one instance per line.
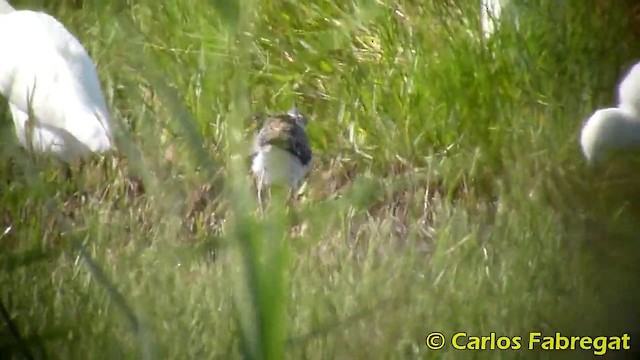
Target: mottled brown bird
281	152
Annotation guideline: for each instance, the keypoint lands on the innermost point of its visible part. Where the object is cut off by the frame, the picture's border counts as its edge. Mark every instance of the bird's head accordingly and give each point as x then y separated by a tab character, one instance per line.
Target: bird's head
298	117
608	131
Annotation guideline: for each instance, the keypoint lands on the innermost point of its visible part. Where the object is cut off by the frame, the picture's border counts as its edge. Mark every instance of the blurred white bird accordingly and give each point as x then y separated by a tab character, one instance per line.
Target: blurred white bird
616	128
281	151
46	72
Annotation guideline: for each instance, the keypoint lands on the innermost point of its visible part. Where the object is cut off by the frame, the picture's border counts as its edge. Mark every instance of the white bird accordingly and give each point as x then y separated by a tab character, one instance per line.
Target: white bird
46	72
614	129
281	151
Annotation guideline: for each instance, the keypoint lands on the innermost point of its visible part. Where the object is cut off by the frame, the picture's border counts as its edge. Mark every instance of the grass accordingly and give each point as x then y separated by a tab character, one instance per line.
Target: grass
448	191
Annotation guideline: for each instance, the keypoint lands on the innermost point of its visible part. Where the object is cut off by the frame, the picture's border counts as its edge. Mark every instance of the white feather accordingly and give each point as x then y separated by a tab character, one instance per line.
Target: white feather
606	130
5	7
615	128
629	91
44	68
490	11
277	166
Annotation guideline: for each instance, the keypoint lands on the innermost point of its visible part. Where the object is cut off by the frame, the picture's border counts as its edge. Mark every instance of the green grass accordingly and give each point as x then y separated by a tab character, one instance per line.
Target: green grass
448	191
